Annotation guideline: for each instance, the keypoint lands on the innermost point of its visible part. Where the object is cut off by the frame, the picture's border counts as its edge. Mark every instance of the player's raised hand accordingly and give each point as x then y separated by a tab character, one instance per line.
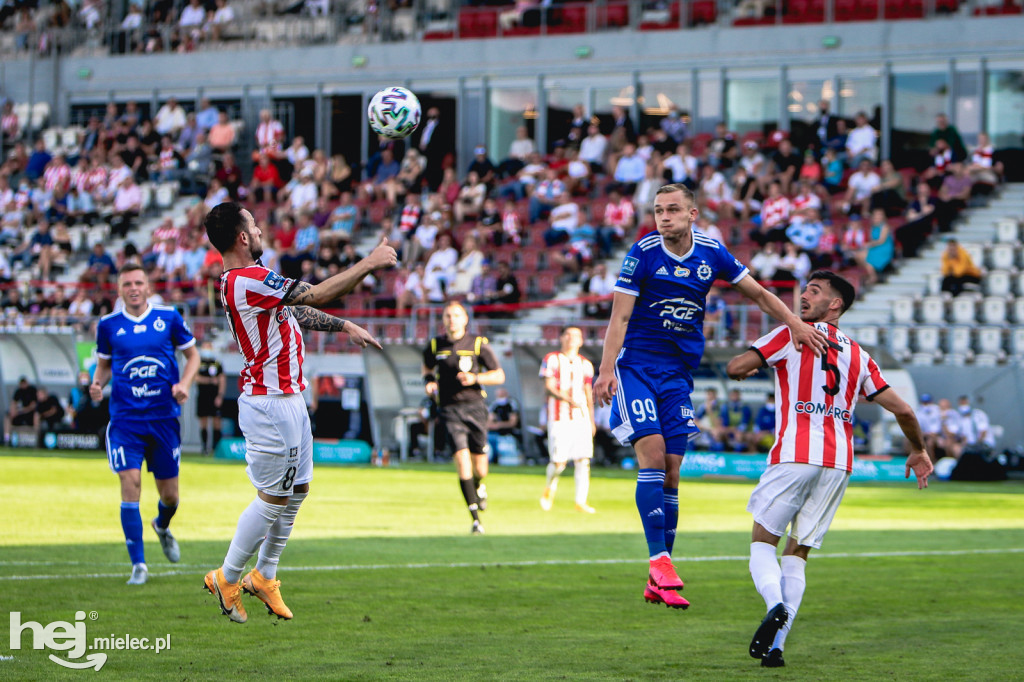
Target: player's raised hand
95	392
360	336
605	388
180	393
922	466
807	334
383	256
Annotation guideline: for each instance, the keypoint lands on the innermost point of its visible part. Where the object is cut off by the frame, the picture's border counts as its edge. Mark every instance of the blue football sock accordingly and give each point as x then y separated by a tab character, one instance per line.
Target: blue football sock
671	516
650	502
164	514
131	523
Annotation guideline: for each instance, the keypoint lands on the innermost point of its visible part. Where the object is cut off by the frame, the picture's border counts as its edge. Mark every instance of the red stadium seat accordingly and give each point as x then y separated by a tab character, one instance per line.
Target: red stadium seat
613	15
703	12
571	19
671	22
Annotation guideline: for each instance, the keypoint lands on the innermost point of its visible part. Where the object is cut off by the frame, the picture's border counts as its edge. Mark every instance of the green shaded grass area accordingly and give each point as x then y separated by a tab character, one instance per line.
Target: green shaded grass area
386	582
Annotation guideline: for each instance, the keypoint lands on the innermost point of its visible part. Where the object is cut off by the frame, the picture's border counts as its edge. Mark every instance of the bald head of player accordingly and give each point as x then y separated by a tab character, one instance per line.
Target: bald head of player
233	231
675	211
826	297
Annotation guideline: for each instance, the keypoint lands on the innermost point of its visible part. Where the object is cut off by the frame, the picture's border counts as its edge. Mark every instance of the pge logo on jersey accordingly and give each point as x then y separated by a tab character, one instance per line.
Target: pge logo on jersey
137	370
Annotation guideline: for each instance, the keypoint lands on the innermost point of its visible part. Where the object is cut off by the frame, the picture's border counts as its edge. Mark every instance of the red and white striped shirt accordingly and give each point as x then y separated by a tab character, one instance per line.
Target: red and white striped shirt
619	215
573	376
269	136
815	396
982	156
57	176
775	212
267	333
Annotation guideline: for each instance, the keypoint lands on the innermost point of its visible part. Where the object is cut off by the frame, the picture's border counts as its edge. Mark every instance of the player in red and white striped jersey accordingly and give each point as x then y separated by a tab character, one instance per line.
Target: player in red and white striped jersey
810	464
568	379
266	314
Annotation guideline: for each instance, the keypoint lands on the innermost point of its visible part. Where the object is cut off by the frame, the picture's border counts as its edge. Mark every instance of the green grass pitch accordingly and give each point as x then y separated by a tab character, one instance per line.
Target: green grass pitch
387	584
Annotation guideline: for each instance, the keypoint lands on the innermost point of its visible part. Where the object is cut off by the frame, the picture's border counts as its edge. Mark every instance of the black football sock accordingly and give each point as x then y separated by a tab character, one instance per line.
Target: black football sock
469	492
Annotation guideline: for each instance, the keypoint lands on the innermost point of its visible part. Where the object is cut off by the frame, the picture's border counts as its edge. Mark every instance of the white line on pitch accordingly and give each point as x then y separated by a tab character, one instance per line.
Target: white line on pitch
544	562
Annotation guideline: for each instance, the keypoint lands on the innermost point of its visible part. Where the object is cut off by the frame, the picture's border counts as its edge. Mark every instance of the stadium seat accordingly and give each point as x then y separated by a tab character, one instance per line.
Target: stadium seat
1002	256
658	20
933	310
962	310
993	310
958	341
1008	230
867	335
927	339
573	19
933	287
1018	310
613	15
997	283
903	310
703	12
1017	341
990	341
976	251
1018	284
899	342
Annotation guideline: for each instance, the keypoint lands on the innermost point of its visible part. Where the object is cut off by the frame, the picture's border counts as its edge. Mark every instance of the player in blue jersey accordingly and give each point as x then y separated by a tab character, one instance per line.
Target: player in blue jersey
136	354
654	341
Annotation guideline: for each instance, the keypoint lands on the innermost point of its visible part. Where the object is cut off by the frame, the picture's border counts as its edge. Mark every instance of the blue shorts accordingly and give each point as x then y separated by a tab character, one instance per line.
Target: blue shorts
653	397
157	441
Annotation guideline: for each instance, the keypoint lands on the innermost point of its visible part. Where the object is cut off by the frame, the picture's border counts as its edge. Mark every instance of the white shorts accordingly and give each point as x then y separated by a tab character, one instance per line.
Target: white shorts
570	440
804	495
278	442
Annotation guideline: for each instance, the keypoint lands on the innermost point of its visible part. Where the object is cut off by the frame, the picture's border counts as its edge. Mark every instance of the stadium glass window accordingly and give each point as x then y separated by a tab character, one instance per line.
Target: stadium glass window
1004	103
560	103
752	105
657	98
606	97
861	94
802	99
509	108
917	98
967	107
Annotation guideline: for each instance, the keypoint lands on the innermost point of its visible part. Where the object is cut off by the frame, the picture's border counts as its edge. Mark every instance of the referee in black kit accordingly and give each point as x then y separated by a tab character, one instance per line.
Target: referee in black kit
455	369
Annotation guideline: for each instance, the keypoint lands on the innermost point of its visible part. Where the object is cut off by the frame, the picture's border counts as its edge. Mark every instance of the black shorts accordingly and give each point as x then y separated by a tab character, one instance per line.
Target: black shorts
206	404
465	426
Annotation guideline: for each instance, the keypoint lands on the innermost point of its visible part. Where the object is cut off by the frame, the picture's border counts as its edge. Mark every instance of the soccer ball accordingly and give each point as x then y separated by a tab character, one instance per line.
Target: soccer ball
394	113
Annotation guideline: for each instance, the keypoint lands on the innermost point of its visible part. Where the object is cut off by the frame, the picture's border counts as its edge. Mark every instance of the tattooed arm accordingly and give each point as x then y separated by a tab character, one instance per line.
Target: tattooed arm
332	288
318	320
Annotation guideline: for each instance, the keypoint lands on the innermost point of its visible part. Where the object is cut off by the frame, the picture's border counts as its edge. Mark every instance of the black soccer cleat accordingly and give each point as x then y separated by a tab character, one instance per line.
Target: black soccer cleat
773	659
765	635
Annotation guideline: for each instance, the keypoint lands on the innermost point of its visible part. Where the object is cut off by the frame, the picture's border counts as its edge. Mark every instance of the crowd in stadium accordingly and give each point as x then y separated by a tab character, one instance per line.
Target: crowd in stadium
516	223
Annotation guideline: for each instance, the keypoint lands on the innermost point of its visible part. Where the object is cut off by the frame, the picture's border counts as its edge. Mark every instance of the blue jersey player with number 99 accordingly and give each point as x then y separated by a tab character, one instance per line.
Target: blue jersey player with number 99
655	340
136	353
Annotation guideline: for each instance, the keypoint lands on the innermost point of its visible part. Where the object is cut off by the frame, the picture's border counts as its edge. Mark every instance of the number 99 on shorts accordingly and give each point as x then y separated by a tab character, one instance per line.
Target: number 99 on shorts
644	410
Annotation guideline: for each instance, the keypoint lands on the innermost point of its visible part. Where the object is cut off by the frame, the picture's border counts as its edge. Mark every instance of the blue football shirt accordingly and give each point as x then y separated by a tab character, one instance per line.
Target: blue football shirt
143	366
671	294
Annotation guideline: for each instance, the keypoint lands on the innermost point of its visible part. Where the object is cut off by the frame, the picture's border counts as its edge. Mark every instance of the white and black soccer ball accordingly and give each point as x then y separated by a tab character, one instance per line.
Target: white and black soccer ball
394	113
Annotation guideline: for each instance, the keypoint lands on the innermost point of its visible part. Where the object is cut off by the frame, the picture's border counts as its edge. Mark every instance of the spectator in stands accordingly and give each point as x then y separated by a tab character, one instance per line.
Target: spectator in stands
135	158
410	290
565	219
619	220
502	420
38	247
192	18
794	266
519	152
736	422
222	21
723	150
756	166
977	429
297	154
630	169
623	131
953	196
948	133
880	247
80	307
832	171
681	167
468	268
435	142
982	167
950	440
10	129
891	192
37	160
50	413
594	148
506	289
762	435
471	198
482	166
266	181
269	135
170	118
942	158
860	188
127	207
206	115
786	164
862	142
222	135
170	163
408	180
198	164
775	217
765	262
81	208
440	269
187	137
958	268
307	236
22	411
806	229
674	125
824	125
717	319
708	416
546	195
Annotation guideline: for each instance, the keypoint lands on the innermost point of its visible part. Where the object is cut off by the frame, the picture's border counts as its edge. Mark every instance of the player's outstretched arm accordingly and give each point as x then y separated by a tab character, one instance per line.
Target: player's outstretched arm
622	309
332	288
918	460
319	321
770	303
744	365
181	389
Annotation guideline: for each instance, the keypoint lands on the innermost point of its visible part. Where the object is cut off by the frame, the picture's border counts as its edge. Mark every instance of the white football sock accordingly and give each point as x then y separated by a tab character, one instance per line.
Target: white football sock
793	584
253	525
764	569
277	538
553	472
581	476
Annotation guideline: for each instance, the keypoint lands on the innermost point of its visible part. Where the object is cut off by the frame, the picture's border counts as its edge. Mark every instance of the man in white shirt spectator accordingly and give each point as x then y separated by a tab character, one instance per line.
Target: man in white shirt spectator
593	148
950	440
861	142
170	119
861	185
975	425
193	15
519	152
305	194
683	166
223	17
127	206
565	218
630	169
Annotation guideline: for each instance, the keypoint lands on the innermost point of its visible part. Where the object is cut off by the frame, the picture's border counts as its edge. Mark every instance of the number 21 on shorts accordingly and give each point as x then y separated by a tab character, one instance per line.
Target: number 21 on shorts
644	410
